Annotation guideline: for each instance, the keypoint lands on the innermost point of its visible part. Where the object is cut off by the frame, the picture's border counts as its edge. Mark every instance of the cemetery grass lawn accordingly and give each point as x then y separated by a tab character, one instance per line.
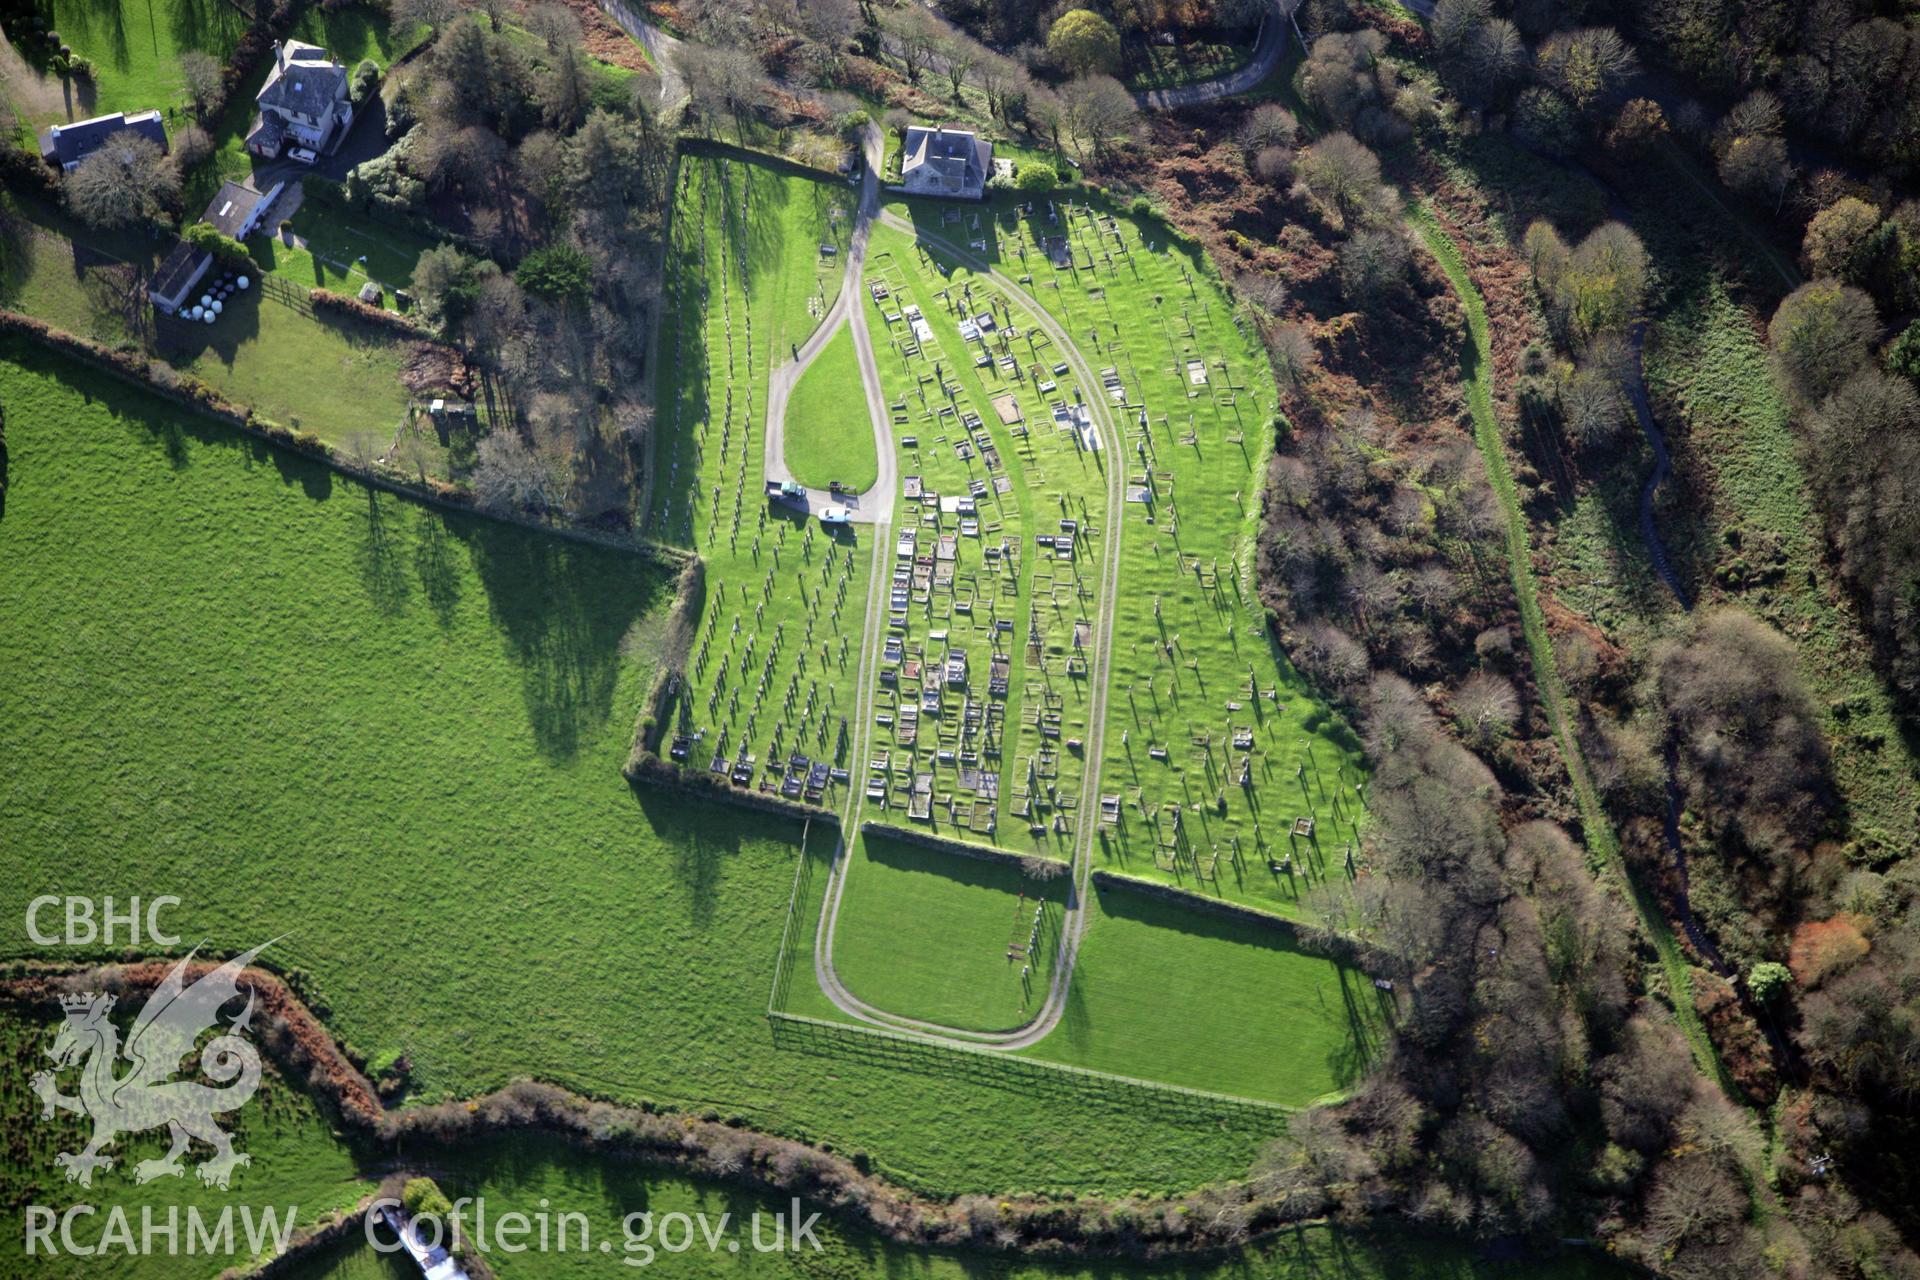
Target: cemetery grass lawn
298	1165
1190	553
828	435
925	933
1164	993
395	735
776	582
1048	477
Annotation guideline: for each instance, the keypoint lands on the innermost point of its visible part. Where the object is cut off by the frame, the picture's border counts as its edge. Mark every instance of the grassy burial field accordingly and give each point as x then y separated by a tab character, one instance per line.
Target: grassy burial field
829	438
1224	772
775	656
933	935
395	736
1162	992
983	698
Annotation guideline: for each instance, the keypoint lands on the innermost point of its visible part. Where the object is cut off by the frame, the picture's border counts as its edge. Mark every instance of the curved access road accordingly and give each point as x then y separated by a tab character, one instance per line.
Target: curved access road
875	505
661	46
1267	48
1073	926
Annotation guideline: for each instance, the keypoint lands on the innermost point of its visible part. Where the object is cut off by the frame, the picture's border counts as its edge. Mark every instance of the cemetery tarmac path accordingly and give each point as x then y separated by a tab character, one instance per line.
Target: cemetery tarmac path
1074	925
875	505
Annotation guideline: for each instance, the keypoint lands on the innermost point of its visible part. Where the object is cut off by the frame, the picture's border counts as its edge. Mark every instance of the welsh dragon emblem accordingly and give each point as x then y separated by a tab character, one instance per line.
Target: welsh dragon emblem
144	1095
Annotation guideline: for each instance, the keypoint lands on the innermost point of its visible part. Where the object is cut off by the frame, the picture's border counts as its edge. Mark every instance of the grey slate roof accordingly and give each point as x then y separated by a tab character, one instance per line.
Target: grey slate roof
957	160
265	135
232	208
305	79
70	143
177	270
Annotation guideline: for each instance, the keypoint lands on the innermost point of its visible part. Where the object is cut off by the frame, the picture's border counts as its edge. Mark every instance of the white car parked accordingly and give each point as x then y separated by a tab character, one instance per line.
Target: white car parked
302	154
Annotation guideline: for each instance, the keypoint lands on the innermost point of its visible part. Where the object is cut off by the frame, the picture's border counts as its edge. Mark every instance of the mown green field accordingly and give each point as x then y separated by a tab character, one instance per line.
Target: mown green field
534	1176
395	737
1161	992
299	1165
135	49
330	376
927	934
829	436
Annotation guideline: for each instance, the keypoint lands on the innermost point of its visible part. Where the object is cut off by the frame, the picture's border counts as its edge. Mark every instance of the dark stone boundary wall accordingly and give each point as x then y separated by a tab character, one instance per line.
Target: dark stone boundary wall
1334	946
959	848
650	770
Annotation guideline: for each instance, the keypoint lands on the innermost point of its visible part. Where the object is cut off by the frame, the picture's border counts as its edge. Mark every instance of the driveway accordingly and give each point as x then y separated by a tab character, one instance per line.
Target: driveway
875	505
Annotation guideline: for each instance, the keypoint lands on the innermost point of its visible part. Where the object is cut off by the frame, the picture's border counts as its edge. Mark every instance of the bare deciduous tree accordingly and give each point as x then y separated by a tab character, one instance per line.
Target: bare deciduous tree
202	74
508	477
1342	174
128	180
1101	114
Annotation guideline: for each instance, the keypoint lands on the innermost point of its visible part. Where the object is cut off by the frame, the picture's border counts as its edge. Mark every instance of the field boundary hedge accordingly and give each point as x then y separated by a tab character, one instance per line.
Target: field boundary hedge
755	155
650	770
959	848
1340	947
725	1150
189	392
347	305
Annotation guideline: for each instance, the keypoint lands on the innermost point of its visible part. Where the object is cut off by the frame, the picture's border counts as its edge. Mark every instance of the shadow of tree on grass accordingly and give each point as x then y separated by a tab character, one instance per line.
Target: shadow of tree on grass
563	608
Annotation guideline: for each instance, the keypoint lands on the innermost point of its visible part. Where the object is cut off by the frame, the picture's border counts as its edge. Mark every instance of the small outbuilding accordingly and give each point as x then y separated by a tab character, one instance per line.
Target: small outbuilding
238	209
179	272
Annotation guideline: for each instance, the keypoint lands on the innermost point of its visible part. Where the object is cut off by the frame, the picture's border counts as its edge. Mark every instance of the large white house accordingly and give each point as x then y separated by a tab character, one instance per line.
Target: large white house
306	102
945	162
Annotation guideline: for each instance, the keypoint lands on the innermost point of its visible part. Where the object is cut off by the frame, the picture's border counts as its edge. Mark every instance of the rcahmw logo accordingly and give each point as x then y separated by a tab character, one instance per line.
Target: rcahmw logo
84	1231
144	1095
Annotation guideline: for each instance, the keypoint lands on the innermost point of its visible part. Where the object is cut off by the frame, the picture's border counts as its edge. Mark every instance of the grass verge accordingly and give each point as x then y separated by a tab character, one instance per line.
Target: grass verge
828	436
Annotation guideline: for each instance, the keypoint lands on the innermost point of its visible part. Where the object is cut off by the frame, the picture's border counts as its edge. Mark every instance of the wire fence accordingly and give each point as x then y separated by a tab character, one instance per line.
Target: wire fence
790	932
1002	1069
